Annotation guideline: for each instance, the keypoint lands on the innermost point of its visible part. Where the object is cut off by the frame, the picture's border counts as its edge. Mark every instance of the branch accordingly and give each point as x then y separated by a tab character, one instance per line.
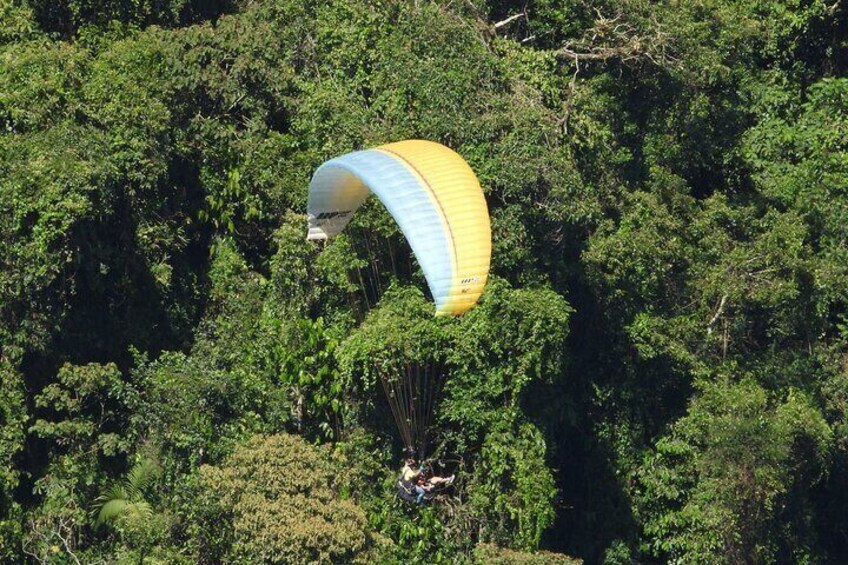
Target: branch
572	86
236	103
55	529
67	545
595	53
717	315
615	39
509	20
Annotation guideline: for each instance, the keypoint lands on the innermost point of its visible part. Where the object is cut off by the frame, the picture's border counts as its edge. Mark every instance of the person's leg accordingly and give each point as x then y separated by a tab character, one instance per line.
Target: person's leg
440	480
421	492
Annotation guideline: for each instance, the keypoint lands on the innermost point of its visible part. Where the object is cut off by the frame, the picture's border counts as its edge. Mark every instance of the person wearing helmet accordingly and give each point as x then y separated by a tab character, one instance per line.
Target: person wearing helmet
409	472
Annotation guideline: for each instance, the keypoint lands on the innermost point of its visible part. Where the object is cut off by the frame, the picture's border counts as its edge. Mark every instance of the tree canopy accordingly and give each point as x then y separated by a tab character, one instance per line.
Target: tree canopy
656	371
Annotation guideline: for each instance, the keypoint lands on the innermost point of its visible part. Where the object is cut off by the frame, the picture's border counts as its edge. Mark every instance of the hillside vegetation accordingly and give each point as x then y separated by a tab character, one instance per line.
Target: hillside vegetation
657	371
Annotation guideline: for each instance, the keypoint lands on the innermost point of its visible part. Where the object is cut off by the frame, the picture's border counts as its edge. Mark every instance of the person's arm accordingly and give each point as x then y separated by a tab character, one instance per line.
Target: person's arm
409	474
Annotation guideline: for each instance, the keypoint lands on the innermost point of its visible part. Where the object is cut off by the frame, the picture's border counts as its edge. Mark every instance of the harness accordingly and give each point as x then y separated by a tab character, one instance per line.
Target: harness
406	490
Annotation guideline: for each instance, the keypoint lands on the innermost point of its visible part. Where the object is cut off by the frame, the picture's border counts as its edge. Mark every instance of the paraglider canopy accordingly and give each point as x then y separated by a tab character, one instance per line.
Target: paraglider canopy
434	197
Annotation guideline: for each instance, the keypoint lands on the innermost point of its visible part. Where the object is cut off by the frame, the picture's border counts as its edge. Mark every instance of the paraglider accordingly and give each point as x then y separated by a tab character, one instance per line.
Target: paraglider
436	200
434	197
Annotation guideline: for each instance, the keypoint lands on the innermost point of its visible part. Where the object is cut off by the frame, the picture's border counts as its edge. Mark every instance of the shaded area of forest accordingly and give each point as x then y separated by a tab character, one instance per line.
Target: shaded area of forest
657	371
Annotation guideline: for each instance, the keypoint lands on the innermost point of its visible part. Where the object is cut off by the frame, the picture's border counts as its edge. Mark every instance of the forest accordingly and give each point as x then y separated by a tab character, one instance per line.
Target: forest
656	372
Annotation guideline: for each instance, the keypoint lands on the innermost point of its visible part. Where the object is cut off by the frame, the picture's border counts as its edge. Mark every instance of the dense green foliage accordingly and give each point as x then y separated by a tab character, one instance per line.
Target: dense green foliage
657	372
271	501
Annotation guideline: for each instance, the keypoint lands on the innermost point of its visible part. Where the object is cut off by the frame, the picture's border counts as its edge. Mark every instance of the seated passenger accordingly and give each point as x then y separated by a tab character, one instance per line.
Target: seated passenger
422	488
408	472
425	486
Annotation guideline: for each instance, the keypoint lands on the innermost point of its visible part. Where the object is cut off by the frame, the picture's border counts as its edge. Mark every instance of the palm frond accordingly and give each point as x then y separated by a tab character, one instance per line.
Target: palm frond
143	474
110	510
137	514
125	499
114	492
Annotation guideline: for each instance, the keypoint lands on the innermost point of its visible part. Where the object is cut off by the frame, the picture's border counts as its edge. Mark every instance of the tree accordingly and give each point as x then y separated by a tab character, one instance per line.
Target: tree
127	507
13	416
714	488
488	554
273	501
83	422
